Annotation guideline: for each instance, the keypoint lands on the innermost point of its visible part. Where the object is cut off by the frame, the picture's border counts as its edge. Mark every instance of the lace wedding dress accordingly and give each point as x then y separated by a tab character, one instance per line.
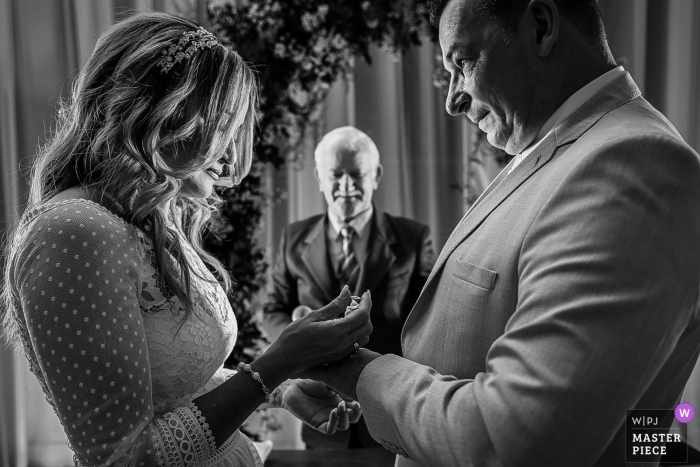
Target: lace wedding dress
107	343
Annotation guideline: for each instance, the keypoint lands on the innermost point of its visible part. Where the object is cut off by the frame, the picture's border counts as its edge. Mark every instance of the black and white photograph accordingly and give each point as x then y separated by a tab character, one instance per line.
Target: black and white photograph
349	233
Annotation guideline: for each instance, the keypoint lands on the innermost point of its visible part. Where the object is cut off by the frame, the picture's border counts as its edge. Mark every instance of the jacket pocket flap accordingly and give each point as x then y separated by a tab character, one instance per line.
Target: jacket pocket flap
482	277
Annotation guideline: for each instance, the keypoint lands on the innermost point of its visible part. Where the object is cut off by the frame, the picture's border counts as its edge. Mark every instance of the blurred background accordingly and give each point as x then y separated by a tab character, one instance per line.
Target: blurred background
434	165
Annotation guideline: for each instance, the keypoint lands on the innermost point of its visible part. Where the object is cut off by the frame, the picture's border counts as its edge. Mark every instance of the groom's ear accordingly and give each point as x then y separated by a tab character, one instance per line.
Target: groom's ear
542	18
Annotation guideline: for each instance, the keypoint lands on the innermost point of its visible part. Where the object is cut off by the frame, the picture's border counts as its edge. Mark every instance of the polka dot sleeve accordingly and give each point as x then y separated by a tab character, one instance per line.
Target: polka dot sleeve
77	276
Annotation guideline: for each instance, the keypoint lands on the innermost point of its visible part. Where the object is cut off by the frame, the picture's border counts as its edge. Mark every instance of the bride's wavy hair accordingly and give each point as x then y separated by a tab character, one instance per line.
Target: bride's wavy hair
124	114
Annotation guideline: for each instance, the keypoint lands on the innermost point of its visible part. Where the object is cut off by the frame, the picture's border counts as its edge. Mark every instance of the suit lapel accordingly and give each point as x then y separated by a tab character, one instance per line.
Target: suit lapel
315	258
496	181
452	240
379	257
618	92
499	193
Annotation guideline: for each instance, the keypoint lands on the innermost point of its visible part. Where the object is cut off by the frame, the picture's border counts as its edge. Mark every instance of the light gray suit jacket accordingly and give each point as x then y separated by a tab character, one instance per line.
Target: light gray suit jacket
564	297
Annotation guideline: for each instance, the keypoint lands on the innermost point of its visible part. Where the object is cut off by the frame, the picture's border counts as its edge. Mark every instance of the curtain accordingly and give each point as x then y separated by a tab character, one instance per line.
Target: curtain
36	62
428	156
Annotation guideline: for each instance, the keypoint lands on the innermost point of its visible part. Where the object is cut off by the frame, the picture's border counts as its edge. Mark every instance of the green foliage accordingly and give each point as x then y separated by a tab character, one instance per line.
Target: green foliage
299	48
233	238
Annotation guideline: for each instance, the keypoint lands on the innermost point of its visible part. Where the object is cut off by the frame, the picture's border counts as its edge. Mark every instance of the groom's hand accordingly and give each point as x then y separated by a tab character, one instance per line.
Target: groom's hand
317	406
342	376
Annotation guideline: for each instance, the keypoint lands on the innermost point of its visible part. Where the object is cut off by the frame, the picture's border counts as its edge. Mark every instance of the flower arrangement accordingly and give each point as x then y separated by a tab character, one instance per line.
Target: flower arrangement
299	48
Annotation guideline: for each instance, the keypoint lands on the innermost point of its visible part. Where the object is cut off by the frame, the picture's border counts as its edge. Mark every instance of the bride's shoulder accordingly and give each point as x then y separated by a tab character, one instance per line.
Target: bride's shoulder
74	192
76	206
68	227
79	194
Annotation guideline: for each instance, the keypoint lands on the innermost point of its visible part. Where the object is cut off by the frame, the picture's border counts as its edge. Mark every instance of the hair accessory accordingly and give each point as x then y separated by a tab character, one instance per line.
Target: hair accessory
190	42
244	367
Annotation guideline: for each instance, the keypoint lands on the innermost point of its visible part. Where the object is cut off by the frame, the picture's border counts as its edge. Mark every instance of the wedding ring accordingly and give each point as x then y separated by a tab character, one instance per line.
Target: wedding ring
354	302
357	347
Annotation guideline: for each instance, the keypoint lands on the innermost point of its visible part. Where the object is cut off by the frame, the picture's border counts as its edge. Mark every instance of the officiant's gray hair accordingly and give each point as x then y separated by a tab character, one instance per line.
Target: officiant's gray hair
348	137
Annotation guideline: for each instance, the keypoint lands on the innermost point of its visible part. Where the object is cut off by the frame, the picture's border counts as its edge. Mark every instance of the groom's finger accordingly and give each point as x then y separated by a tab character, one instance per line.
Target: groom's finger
343	417
354	411
332	423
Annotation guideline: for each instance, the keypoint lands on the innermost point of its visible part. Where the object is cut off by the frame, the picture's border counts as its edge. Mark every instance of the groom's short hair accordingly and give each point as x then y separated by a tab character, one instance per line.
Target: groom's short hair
589	19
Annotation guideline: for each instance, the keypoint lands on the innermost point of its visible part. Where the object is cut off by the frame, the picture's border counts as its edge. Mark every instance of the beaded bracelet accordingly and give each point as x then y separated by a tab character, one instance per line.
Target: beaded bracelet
256	376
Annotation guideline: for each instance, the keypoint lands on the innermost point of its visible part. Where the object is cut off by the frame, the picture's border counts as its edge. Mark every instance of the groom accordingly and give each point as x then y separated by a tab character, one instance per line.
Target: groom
566	295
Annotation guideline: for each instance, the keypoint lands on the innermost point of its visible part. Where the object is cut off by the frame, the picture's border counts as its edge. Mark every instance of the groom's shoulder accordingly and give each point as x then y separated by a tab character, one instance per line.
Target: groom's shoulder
634	128
637	120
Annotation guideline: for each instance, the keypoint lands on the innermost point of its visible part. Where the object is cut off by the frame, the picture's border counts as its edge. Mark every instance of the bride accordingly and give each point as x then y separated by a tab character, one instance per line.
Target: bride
124	318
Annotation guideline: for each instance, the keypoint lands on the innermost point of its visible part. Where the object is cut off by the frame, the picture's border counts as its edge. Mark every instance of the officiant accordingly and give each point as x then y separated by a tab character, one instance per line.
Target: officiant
353	243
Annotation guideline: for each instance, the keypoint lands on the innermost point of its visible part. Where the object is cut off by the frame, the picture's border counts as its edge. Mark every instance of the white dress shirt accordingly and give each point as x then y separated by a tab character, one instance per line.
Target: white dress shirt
569	106
358	223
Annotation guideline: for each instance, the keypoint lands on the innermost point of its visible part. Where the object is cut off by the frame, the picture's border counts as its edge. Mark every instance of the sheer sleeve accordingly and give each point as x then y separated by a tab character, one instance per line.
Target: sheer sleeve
77	278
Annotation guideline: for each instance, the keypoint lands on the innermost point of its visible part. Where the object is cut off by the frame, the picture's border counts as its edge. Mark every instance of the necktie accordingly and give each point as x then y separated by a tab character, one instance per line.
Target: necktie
348	268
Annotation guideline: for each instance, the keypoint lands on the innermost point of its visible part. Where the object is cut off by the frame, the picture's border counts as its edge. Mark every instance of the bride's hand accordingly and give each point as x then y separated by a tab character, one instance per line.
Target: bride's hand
317	406
324	336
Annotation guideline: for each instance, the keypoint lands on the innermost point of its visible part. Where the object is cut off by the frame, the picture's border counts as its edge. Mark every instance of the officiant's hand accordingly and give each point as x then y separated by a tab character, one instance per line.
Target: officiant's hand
342	376
317	406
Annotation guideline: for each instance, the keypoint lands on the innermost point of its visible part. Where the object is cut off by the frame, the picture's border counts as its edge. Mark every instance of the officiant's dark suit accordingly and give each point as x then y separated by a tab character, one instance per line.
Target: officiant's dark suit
393	257
396	264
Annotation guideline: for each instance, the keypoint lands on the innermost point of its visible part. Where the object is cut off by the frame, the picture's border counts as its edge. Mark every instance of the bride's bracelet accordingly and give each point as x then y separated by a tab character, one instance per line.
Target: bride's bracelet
244	367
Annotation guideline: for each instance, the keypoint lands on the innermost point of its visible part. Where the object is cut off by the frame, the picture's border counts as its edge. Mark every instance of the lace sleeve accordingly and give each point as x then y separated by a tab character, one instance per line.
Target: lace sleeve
78	278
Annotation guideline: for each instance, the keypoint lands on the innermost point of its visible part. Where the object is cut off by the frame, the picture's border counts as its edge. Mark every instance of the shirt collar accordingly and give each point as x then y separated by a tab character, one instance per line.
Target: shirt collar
570	105
359	223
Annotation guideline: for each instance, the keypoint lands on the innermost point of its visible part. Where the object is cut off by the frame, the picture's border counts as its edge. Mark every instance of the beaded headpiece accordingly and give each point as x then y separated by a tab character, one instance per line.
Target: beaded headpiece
190	42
